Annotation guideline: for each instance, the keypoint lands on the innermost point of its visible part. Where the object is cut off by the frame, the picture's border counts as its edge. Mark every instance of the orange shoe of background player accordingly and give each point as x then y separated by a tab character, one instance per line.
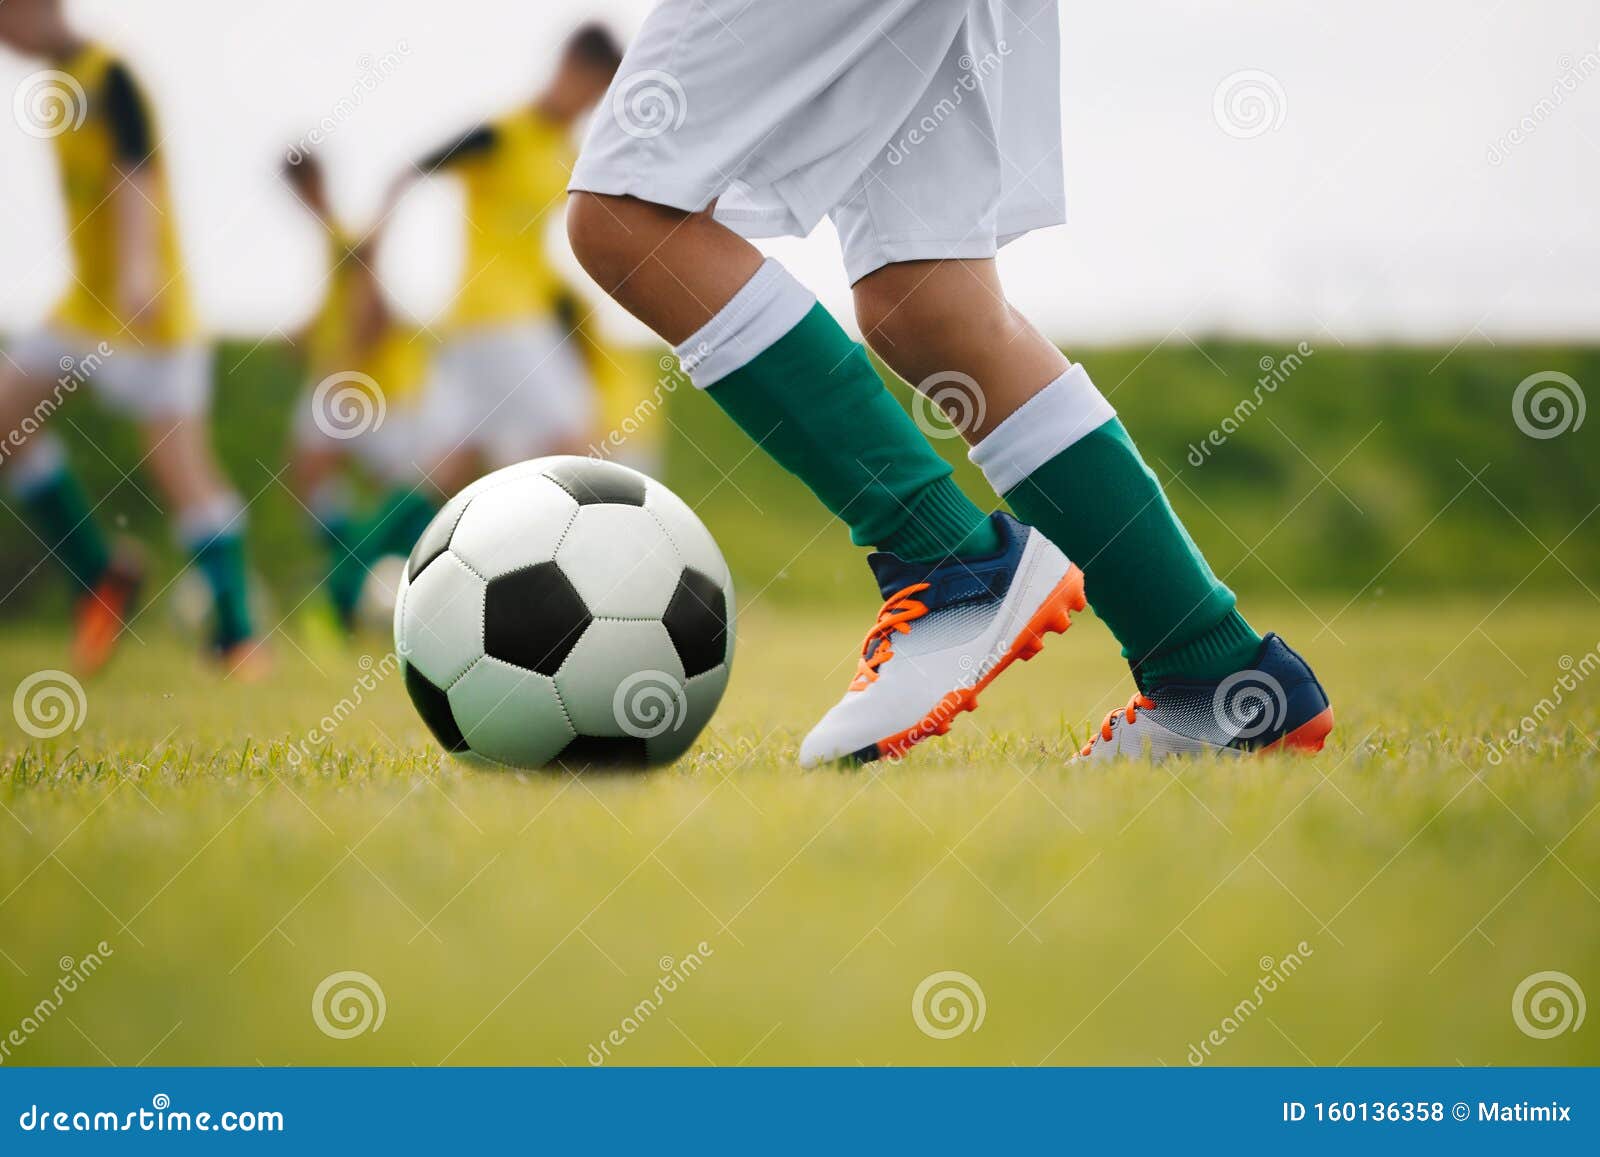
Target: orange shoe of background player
247	661
102	614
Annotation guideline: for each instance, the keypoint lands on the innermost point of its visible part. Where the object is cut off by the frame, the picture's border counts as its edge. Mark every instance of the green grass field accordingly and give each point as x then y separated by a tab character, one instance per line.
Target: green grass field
1398	887
1382	509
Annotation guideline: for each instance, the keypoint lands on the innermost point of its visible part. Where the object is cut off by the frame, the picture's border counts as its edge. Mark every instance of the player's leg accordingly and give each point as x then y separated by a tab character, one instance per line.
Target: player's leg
965	594
403	511
772	136
167	394
391	453
51	501
776	136
317	475
209	521
1067	465
1052	445
764	350
37	474
920	232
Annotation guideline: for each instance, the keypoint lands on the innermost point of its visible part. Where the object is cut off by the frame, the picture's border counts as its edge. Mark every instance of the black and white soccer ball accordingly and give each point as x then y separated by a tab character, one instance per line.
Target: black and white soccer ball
565	611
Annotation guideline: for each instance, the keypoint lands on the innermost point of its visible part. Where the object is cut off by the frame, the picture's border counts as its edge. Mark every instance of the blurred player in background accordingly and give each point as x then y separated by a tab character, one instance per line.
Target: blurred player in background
126	324
508	384
364	378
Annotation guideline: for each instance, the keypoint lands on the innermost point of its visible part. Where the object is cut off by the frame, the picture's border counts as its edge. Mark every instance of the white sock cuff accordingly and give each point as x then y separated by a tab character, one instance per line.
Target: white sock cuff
45	459
1046	424
198	525
768	306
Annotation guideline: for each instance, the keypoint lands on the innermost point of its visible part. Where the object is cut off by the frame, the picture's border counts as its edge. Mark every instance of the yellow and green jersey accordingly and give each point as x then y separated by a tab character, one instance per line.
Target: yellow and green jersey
397	359
116	135
515	173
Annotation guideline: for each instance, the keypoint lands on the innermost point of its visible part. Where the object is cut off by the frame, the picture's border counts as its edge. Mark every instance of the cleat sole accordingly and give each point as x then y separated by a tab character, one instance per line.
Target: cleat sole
1306	739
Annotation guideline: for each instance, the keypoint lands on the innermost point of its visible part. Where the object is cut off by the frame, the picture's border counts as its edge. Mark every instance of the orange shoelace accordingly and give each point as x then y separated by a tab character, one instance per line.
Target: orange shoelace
893	618
1129	713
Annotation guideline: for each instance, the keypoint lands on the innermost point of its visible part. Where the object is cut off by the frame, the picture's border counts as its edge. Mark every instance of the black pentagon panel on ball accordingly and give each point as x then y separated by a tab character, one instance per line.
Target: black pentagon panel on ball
591	481
533	617
434	707
435	539
589	753
697	620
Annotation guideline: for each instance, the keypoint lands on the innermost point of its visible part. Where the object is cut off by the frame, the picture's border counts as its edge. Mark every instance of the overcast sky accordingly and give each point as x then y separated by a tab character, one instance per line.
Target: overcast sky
1427	170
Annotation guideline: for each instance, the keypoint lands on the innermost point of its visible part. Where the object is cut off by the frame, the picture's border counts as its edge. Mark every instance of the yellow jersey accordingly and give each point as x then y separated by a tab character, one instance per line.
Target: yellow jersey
515	173
115	133
397	360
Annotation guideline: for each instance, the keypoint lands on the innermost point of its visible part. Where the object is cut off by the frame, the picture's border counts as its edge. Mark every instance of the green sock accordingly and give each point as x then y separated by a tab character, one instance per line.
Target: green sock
812	400
221	558
402	516
335	527
1100	503
393	528
58	510
340	533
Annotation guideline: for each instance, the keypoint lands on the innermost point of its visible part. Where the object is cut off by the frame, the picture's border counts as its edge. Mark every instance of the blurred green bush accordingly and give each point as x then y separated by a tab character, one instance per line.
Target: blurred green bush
1357	470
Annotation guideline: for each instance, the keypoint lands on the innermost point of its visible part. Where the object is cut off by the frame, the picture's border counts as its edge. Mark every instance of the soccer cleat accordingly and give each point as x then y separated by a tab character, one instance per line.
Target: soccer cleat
946	631
1274	704
102	614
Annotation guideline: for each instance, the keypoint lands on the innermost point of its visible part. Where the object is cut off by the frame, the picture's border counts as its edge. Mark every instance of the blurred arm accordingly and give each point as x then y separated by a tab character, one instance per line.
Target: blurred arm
473	143
136	199
369	308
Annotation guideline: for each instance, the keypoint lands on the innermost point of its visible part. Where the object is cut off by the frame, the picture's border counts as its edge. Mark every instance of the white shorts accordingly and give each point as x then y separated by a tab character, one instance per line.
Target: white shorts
925	129
385	440
140	383
511	392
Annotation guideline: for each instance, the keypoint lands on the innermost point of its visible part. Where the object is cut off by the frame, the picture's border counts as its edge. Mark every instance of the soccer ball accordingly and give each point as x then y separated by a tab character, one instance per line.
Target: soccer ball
565	611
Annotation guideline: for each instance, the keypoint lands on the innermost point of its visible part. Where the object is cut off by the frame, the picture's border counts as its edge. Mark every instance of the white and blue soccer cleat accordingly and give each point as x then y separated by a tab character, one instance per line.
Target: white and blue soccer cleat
946	631
1275	704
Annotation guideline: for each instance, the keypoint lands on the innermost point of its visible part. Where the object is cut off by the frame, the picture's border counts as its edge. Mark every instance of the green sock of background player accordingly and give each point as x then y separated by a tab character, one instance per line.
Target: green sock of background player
394	526
56	507
213	533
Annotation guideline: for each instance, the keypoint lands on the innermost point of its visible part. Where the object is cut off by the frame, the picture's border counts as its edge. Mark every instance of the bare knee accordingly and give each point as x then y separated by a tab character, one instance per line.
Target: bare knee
611	236
925	313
